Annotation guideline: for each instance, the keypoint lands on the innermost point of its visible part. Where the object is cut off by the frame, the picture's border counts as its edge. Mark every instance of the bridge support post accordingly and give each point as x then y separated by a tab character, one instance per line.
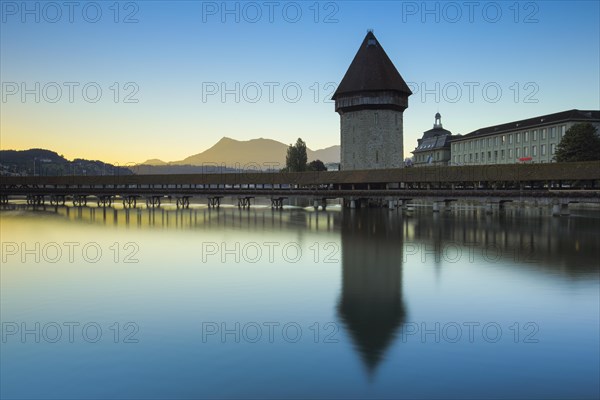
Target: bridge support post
447	205
57	199
277	203
244	202
153	201
104	201
436	207
130	201
214	202
352	203
403	203
502	205
324	204
392	203
489	208
80	200
35	200
183	202
560	210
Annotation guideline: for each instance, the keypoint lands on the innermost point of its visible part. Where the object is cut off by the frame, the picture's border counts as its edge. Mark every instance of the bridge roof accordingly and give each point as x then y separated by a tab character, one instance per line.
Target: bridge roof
589	170
371	71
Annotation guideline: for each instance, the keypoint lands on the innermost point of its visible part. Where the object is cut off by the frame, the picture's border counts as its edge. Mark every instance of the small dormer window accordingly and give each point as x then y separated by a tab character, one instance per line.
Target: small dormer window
371	42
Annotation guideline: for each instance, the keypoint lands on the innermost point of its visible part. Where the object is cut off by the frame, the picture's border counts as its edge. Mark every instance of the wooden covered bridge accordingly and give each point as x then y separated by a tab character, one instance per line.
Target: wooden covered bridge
558	184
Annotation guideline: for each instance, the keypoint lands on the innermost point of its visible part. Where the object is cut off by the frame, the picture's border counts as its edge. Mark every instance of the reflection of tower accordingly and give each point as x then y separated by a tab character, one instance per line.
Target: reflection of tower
371	302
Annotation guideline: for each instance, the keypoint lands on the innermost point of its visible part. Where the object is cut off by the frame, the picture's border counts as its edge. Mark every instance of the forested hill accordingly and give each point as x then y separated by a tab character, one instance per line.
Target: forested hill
50	163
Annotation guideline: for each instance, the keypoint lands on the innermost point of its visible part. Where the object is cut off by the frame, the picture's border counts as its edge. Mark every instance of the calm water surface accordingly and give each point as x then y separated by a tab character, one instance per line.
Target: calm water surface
260	304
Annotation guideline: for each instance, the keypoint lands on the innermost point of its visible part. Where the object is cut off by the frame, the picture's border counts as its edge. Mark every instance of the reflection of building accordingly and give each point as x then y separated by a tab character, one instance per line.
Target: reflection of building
434	147
371	99
534	139
520	237
371	304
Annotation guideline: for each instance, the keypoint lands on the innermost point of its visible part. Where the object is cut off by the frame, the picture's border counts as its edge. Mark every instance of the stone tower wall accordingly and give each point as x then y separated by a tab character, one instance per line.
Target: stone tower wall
371	139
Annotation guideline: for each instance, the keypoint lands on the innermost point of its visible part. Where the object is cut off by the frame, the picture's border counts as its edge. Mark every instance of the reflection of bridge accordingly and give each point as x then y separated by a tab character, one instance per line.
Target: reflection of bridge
377	245
558	184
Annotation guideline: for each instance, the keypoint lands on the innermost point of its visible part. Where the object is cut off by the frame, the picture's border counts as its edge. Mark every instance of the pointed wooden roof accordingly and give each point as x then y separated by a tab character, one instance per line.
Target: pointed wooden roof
371	71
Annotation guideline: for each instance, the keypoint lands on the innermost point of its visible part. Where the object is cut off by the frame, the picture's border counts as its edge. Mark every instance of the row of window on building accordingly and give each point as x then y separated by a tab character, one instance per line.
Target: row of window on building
428	157
505	154
510	138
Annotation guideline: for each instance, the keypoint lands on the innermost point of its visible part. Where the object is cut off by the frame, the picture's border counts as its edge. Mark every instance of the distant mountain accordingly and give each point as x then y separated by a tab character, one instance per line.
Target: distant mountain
227	155
153	161
327	155
49	163
231	152
236	153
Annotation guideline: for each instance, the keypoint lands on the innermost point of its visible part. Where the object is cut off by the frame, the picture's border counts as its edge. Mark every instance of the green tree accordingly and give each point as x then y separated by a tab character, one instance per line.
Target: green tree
316	165
295	160
580	143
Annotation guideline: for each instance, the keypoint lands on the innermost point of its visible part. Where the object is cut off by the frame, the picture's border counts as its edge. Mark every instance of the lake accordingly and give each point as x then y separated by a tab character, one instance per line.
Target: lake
294	303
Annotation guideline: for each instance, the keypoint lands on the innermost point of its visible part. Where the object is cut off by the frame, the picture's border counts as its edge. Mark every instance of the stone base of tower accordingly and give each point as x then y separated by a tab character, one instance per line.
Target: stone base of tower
371	139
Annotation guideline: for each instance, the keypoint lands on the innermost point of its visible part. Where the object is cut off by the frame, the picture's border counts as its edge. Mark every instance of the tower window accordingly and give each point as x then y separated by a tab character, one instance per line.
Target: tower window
376	156
376	119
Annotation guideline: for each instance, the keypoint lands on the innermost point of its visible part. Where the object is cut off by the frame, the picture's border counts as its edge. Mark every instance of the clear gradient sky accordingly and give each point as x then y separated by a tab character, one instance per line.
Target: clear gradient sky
175	57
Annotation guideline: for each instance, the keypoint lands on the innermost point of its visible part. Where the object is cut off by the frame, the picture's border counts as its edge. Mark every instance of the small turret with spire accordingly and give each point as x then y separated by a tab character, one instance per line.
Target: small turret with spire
438	121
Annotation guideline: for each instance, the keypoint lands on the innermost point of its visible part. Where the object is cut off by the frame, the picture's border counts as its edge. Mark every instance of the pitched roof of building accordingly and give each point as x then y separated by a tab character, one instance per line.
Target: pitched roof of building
436	132
570	115
434	143
371	70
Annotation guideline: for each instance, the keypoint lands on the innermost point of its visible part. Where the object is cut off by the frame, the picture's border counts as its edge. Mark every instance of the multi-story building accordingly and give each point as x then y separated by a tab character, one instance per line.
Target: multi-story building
371	100
434	147
528	140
